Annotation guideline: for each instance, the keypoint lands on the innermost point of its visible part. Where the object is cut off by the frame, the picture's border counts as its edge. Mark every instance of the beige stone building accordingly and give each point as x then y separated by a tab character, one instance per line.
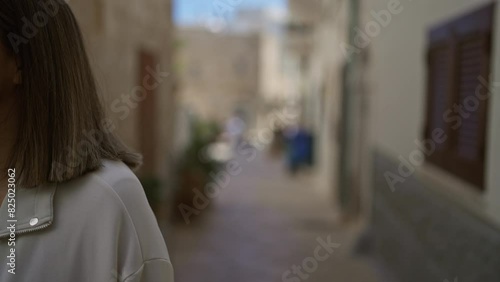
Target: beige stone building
219	72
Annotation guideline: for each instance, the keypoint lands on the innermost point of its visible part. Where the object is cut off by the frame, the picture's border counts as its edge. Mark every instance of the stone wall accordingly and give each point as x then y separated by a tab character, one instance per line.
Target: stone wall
423	236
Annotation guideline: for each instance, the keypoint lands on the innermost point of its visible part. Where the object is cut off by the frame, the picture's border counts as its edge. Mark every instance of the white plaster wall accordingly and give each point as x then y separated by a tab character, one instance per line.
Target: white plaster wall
397	82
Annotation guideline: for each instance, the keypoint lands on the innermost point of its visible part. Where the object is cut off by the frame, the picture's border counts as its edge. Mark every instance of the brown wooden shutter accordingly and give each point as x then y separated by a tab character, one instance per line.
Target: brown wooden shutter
459	58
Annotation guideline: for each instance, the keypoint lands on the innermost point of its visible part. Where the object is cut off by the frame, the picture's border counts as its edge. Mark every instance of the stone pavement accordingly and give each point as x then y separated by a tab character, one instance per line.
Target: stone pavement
263	224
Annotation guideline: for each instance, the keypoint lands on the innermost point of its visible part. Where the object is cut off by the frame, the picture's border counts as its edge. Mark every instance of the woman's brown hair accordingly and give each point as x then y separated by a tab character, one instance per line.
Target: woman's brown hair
62	132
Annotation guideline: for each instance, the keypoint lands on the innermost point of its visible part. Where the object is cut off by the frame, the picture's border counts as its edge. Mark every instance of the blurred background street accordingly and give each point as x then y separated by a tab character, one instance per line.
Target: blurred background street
264	223
318	140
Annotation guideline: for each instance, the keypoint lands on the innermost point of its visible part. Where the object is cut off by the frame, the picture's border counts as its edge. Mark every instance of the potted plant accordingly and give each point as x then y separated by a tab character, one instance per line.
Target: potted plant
195	165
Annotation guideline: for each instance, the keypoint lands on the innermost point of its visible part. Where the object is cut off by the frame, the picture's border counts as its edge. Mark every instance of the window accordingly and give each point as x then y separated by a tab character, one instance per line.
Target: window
459	57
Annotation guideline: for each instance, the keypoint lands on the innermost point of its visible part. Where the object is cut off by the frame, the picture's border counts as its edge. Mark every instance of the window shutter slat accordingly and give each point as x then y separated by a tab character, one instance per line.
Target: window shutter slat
440	72
470	65
440	66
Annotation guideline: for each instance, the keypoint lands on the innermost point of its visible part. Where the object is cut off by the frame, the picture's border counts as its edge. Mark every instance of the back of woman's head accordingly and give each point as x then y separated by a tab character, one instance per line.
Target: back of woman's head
62	129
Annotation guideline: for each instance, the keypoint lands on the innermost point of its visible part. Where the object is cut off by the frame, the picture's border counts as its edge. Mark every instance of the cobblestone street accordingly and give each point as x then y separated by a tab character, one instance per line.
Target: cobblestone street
262	225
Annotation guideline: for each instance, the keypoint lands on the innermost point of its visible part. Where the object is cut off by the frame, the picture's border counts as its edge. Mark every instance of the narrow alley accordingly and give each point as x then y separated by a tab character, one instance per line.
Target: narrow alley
263	224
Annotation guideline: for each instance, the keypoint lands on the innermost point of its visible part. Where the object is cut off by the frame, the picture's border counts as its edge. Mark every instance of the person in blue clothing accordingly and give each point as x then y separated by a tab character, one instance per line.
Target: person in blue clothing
299	148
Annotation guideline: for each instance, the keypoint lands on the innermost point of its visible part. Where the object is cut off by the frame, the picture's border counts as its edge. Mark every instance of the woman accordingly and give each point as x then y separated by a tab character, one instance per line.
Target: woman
78	212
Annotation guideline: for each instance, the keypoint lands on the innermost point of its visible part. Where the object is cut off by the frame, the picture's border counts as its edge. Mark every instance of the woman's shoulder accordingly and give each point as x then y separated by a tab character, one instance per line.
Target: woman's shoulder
114	196
118	179
117	176
113	176
113	185
112	192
